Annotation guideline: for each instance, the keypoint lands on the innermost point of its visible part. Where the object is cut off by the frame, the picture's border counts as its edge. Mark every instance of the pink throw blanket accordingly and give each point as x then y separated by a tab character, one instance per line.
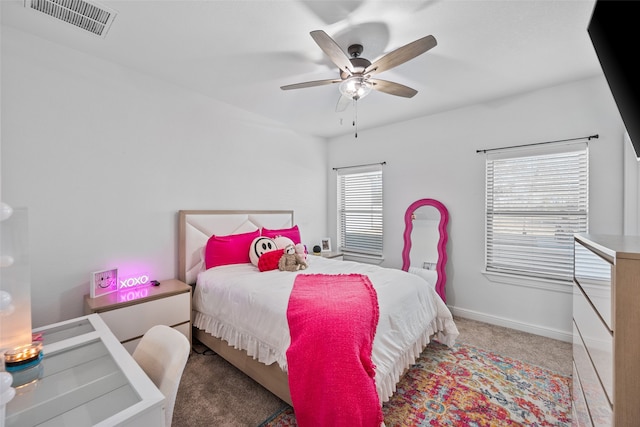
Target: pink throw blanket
332	322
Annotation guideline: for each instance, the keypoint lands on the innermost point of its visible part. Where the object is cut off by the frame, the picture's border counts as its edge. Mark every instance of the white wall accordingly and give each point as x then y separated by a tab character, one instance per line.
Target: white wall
435	157
104	157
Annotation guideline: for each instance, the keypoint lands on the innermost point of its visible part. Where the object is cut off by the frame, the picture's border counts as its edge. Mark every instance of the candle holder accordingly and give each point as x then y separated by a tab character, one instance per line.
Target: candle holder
23	357
26	380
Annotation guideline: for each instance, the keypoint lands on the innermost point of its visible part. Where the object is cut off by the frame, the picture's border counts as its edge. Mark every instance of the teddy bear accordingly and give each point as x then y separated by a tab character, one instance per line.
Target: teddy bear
291	260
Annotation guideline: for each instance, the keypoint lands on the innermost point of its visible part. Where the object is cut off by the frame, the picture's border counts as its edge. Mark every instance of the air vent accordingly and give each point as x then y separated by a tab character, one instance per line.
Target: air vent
83	14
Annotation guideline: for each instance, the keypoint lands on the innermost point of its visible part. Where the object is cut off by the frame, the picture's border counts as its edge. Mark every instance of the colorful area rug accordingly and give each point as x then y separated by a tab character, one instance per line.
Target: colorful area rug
468	386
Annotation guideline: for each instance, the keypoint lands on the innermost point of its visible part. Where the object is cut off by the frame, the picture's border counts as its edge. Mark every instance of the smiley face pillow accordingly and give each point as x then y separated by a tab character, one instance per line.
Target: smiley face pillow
264	253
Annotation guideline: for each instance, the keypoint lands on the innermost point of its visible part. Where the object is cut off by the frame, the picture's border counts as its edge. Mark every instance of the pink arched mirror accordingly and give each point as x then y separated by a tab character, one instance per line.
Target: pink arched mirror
425	242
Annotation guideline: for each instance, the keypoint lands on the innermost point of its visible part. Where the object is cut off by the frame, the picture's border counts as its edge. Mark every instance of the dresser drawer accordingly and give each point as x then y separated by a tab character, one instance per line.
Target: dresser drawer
595	396
133	321
579	411
594	276
596	338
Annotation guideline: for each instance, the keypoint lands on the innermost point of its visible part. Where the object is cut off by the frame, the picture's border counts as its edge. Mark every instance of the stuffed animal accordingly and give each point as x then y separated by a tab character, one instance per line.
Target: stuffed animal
290	260
302	251
282	242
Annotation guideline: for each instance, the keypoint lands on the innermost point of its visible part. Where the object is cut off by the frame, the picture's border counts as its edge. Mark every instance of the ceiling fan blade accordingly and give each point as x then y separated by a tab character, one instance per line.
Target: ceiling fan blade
401	55
343	103
310	84
333	51
393	88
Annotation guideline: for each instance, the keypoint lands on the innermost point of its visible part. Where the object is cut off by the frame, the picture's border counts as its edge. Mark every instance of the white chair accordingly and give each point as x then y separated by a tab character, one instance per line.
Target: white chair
162	354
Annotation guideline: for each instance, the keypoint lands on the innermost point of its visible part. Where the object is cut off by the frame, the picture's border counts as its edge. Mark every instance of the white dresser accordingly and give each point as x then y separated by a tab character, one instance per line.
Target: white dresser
606	331
86	378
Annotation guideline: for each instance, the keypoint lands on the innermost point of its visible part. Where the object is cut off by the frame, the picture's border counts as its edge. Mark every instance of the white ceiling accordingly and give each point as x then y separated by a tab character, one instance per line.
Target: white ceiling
240	52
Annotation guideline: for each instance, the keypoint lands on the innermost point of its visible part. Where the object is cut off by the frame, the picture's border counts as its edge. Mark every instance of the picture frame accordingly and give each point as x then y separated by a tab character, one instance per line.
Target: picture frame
325	244
103	282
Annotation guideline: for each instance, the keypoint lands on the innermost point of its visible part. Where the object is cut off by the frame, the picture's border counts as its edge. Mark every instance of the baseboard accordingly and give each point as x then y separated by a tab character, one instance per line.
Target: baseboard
508	323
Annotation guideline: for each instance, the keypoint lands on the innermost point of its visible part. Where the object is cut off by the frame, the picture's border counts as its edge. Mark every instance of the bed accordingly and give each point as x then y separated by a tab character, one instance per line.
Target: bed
240	312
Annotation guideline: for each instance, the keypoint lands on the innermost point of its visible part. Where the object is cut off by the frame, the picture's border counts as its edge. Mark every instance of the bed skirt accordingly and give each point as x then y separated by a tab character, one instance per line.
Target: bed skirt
441	329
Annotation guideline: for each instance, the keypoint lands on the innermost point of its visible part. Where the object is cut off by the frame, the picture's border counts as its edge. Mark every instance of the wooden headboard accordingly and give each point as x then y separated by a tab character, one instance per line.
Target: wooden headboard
196	226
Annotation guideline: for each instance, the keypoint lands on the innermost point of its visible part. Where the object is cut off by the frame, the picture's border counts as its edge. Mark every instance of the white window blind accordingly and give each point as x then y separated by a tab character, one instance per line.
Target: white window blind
360	210
535	203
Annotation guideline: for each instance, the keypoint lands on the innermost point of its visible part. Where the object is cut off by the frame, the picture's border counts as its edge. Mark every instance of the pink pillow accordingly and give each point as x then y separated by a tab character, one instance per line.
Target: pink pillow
231	249
293	233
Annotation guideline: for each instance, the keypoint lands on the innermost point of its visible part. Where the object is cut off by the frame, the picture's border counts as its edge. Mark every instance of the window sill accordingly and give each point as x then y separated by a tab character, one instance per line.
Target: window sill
529	282
358	257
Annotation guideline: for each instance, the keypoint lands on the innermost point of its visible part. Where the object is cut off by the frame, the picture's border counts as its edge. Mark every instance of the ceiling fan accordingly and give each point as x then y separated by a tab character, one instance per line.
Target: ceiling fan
356	73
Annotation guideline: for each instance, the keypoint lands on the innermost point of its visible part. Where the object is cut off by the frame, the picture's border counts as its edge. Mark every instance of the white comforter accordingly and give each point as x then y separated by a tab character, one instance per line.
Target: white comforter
247	308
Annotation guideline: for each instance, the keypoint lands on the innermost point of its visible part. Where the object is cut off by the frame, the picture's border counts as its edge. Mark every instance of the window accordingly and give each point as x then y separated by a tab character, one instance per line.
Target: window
360	210
535	202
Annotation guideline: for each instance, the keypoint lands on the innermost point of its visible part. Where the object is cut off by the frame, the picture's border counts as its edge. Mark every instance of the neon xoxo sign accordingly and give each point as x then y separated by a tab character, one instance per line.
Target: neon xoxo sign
133	281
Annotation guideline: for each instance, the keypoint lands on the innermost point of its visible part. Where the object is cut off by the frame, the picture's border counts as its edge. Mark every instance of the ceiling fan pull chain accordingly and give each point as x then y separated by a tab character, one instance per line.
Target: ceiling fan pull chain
355	120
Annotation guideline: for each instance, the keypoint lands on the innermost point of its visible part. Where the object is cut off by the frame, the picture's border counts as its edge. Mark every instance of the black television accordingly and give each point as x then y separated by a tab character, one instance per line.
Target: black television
614	34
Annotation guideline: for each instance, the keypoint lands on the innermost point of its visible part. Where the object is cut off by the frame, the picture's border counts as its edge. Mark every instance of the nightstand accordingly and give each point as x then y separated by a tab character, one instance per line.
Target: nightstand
332	255
130	313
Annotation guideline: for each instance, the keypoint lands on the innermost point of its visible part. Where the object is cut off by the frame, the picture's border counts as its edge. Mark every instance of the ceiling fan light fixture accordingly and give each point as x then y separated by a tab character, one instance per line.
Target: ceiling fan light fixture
355	87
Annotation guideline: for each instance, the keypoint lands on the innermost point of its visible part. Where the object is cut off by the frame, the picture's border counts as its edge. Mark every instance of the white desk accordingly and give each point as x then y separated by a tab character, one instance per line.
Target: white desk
86	378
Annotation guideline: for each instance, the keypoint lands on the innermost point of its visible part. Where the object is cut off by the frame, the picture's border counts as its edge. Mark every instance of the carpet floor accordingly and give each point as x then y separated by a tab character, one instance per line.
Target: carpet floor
470	387
214	393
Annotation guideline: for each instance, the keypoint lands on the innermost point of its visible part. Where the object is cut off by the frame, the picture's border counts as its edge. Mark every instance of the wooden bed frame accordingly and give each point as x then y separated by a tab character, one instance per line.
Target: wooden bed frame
194	229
